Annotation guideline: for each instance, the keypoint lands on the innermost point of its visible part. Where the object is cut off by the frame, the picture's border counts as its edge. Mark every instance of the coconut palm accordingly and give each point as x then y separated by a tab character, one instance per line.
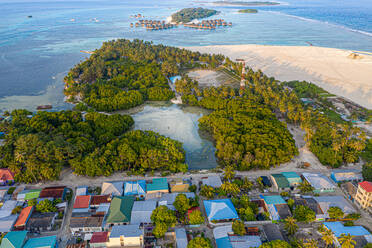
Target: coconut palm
311	243
327	237
290	225
347	241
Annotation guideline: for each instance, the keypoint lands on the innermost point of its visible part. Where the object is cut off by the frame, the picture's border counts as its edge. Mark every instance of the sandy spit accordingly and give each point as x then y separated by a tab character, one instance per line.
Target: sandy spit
329	68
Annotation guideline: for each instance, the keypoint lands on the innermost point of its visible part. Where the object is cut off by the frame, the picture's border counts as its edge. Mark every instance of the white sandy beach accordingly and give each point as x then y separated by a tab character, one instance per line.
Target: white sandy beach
328	68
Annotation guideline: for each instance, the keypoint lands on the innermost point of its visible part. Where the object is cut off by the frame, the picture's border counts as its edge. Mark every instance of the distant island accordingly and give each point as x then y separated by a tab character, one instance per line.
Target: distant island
189	14
248	11
242	3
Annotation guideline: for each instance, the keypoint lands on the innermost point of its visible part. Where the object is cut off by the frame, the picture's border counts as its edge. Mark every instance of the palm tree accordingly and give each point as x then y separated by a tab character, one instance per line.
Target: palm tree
311	243
229	172
347	241
327	236
290	225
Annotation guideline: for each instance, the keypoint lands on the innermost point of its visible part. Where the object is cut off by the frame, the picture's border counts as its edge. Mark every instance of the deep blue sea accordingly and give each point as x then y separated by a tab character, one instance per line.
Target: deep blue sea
37	52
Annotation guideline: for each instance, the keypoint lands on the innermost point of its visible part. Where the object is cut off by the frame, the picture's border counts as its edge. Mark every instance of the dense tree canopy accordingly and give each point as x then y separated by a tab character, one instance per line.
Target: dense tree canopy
37	147
200	242
189	14
123	74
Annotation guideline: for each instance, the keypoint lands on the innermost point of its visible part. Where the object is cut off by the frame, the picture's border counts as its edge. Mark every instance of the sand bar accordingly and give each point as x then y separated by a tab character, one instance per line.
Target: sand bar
329	68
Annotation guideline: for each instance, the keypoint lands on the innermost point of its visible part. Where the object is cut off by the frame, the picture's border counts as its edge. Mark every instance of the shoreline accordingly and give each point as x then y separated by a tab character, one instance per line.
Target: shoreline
329	68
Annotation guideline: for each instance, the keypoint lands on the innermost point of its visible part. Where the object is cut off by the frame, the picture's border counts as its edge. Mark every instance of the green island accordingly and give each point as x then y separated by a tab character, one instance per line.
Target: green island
241	3
189	14
248	124
248	11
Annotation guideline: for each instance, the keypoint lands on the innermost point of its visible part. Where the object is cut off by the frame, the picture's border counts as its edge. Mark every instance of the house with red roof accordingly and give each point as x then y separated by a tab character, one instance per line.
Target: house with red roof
6	176
55	192
363	196
82	203
99	239
23	218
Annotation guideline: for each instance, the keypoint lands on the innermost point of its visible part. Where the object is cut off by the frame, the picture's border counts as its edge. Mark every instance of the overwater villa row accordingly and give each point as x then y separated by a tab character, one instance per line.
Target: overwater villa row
209	24
153	24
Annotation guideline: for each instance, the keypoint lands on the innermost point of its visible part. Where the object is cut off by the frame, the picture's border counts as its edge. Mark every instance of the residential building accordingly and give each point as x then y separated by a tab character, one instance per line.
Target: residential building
41	222
168	199
179	185
42	242
350	189
82	203
97	200
126	236
99	239
7	208
15	239
23	218
3	192
276	206
120	210
112	188
220	210
55	192
364	195
6	176
7	223
349	175
213	181
141	212
280	182
135	188
311	203
272	232
319	182
266	181
86	222
181	238
361	235
81	190
326	202
158	185
225	238
293	178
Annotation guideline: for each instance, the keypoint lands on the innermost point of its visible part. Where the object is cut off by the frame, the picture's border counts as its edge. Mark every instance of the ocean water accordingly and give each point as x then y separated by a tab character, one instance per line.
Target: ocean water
37	52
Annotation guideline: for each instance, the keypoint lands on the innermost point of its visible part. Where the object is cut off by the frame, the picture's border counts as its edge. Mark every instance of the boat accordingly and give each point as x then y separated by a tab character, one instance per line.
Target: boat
72	20
30	16
44	107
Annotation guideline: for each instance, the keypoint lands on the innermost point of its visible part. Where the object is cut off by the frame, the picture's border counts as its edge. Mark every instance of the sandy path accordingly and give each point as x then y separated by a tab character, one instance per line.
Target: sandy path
328	68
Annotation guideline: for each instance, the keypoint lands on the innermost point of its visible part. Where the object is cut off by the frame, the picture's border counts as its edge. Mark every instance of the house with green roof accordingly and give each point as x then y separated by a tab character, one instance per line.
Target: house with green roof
44	242
158	185
120	210
293	178
32	194
280	182
15	239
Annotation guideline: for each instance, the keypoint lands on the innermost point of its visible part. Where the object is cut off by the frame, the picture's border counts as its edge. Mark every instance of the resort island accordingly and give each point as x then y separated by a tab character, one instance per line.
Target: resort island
189	14
248	11
279	146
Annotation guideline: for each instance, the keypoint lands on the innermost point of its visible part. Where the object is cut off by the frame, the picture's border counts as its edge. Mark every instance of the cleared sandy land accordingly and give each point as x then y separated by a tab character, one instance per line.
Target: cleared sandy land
329	68
212	78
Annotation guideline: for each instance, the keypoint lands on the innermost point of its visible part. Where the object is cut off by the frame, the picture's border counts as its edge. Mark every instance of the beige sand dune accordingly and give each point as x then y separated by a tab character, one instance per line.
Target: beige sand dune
332	69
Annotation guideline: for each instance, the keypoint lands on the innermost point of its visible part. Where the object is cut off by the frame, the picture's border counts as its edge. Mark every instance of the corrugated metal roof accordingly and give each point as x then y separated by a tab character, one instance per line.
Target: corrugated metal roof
325	202
14	239
114	188
99	237
181	238
44	242
82	201
120	209
135	187
23	216
213	181
338	228
319	181
280	180
141	211
157	184
126	231
220	209
273	199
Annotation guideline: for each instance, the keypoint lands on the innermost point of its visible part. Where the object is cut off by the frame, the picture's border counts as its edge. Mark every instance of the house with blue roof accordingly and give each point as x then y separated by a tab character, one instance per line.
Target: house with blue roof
338	228
158	185
135	188
15	239
44	242
276	206
220	210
